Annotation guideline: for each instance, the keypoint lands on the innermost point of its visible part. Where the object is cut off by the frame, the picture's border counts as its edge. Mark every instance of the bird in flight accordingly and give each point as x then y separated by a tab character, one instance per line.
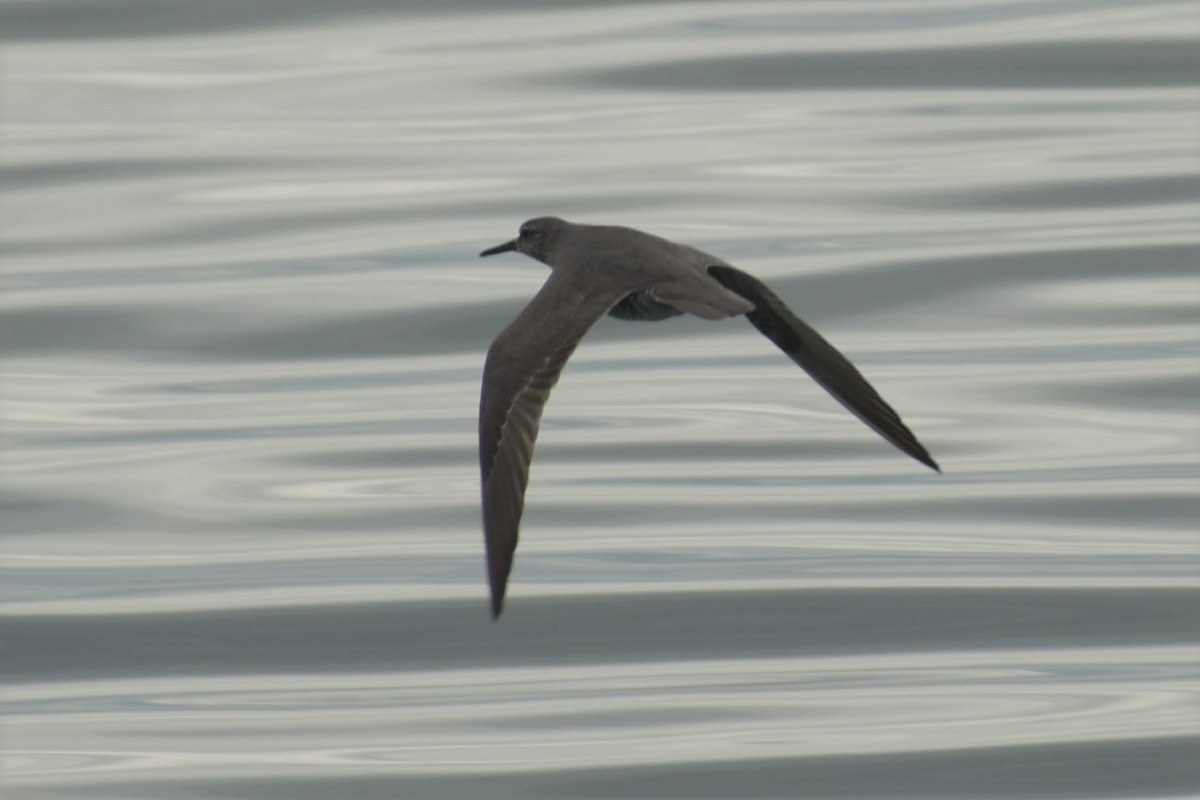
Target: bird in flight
632	275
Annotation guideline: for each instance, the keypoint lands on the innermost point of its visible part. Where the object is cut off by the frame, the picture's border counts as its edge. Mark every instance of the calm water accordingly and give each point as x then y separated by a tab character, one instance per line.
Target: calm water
242	332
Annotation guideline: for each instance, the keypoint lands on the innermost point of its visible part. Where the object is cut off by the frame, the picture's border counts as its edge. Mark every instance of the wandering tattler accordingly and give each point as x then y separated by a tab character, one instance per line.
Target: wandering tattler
628	274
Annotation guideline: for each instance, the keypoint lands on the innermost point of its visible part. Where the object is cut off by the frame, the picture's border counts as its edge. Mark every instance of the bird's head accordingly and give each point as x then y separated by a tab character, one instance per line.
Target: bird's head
536	239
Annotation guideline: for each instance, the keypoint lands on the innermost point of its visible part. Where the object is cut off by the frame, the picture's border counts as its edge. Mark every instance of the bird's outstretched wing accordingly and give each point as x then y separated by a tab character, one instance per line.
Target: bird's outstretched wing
821	360
523	364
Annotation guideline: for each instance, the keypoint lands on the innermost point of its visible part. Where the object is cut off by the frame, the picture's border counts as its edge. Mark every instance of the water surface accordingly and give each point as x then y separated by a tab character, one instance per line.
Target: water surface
242	335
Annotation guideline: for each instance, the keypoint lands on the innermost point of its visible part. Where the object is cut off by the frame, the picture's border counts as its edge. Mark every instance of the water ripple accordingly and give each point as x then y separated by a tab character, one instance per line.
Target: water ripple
243	328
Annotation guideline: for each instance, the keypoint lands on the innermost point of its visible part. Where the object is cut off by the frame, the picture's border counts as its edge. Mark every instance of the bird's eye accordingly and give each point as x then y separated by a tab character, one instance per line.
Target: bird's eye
525	231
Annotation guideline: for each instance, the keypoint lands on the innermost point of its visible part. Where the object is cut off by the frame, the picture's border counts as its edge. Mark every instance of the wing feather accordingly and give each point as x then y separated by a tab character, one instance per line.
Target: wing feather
523	364
821	360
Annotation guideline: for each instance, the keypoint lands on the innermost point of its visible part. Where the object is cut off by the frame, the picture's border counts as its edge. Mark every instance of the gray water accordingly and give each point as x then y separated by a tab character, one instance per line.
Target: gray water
242	332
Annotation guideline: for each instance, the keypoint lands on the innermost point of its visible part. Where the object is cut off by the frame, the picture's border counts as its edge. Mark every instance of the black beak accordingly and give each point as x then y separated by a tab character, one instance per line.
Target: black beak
500	248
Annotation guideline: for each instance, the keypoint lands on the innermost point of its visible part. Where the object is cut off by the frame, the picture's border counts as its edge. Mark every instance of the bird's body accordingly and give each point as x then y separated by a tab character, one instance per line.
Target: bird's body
629	274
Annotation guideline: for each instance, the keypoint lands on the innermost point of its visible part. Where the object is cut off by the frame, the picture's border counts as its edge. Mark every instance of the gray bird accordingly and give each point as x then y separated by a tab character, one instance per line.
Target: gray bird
628	274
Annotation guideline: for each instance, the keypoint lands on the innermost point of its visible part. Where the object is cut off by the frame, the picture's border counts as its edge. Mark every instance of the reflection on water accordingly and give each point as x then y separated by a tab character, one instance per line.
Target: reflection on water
242	336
